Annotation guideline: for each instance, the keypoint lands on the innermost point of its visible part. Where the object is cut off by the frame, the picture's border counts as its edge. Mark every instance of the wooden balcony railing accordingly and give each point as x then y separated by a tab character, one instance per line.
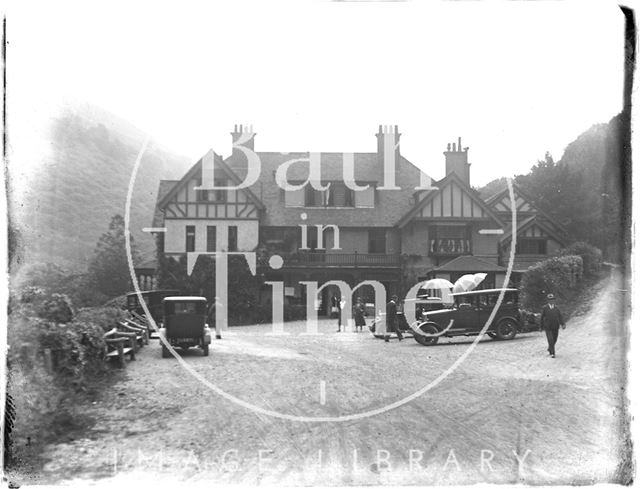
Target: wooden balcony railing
450	246
354	260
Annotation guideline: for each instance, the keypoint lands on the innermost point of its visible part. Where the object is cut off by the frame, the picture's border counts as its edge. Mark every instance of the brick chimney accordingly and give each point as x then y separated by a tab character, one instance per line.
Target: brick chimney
456	160
389	144
244	136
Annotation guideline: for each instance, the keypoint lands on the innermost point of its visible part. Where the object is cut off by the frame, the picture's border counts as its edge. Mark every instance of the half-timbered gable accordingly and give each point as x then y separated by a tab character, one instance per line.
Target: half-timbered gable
202	219
501	203
449	222
453	201
536	240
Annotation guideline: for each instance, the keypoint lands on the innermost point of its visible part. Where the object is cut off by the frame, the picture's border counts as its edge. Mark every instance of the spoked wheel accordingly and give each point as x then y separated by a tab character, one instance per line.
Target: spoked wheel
506	329
427	329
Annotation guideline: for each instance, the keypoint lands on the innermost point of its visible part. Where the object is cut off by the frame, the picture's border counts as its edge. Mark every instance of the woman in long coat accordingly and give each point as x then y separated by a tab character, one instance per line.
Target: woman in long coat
359	312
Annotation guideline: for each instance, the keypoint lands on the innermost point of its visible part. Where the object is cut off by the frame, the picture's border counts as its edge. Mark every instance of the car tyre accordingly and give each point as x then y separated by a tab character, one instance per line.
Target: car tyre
165	352
428	329
507	329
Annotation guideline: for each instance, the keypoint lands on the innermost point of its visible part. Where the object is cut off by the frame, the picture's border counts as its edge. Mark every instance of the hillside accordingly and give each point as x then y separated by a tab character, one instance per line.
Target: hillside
82	182
585	189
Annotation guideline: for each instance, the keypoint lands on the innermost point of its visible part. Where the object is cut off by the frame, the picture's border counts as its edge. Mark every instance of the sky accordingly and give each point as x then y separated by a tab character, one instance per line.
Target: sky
512	79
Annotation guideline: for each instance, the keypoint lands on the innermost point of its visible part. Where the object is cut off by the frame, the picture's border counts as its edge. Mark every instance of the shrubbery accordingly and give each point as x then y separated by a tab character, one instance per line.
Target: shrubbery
555	275
561	275
591	256
54	353
105	317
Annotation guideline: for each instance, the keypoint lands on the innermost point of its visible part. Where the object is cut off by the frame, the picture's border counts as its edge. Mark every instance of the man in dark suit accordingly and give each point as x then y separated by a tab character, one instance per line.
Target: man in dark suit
392	319
551	321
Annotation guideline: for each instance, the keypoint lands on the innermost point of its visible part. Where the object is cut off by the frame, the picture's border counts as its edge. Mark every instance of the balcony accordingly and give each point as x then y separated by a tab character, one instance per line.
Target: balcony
450	246
352	260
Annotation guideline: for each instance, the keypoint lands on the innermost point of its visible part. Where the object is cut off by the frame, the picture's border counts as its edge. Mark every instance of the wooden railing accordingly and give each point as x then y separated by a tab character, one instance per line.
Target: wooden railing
355	260
450	246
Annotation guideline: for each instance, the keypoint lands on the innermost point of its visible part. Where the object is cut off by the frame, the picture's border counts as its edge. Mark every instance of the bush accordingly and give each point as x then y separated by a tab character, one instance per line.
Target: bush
76	349
56	308
105	317
591	256
555	275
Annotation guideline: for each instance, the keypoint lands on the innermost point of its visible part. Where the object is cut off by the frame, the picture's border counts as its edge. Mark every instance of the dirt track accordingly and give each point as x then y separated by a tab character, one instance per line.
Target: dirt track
561	416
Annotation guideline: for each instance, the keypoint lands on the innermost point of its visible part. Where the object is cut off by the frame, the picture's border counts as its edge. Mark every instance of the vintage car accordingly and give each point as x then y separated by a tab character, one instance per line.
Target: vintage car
184	324
469	314
422	306
153	300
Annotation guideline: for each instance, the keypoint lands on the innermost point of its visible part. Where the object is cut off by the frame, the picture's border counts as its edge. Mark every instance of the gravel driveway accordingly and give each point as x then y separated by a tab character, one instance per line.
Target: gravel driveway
508	401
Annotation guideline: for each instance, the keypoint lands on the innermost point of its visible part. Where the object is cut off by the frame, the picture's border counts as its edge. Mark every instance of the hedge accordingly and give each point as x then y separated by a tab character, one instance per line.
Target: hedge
591	256
555	275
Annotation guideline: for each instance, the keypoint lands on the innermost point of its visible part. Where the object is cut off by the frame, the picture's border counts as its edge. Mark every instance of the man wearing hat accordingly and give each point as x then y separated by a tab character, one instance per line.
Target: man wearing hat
392	319
551	321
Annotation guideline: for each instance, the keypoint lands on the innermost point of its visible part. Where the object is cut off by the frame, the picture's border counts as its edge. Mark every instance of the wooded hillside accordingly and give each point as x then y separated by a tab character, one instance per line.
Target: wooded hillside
83	183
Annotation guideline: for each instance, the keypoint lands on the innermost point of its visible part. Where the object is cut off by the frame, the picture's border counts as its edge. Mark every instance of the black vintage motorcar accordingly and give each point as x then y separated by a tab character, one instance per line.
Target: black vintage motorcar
153	299
422	306
185	324
469	314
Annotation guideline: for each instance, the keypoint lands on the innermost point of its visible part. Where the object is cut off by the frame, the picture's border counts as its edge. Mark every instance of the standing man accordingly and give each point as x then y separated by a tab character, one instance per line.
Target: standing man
551	321
392	319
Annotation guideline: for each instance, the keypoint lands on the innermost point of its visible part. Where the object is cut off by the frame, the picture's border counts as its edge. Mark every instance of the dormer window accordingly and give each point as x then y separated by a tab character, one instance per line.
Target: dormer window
337	195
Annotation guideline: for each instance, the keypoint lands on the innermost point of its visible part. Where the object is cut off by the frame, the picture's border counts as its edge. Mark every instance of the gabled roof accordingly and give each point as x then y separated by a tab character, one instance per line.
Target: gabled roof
163	189
450	178
196	169
470	264
530	221
517	189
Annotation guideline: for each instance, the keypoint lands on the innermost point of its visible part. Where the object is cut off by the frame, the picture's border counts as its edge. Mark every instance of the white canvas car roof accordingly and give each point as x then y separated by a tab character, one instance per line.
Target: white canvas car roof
483	291
185	298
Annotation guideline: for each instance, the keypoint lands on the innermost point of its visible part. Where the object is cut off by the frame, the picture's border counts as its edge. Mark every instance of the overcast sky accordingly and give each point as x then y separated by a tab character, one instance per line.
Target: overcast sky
512	79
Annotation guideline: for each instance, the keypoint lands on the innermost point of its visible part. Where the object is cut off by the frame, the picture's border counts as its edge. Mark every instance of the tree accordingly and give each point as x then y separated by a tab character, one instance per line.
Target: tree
109	269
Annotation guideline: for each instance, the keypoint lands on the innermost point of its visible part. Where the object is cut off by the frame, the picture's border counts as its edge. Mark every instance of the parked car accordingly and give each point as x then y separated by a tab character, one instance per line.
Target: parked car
469	314
184	324
422	306
153	300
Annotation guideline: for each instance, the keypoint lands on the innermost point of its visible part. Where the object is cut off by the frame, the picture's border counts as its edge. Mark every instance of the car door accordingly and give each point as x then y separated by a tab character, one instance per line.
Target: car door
483	311
464	315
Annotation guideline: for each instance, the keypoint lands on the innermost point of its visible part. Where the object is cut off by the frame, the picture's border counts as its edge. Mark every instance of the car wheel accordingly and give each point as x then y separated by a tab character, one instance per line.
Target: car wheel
427	329
506	329
165	352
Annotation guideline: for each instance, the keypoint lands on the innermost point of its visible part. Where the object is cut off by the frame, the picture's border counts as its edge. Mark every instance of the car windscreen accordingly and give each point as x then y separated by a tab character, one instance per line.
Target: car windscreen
184	307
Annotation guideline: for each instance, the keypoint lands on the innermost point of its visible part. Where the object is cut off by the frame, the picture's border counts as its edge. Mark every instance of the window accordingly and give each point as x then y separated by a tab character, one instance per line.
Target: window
233	238
211	238
212	195
449	240
190	238
313	197
377	241
337	195
219	195
531	246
